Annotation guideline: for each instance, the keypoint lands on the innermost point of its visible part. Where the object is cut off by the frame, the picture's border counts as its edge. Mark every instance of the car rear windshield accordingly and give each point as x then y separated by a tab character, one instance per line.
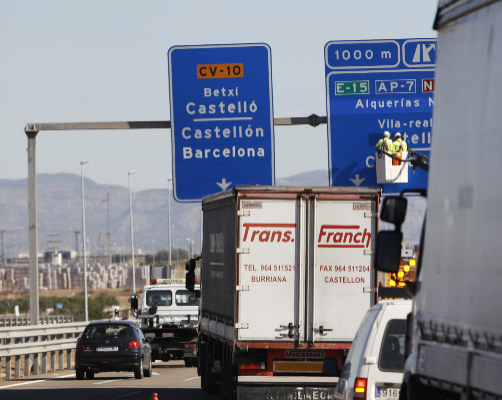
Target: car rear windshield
186	298
108	331
392	351
159	298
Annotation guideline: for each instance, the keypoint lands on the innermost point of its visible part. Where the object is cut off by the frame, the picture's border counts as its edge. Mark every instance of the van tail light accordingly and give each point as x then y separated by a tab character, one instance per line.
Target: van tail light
252	365
190	345
134	344
360	388
81	345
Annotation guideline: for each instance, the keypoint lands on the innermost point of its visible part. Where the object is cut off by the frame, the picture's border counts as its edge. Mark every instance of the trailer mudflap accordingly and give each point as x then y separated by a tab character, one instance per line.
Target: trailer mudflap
290	388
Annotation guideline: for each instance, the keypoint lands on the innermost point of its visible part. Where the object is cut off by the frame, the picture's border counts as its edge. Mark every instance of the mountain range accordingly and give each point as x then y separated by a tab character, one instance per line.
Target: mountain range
107	210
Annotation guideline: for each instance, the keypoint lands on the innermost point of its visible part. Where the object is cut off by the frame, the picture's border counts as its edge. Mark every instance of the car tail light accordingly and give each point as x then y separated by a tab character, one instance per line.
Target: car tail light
252	365
360	388
134	344
81	345
190	345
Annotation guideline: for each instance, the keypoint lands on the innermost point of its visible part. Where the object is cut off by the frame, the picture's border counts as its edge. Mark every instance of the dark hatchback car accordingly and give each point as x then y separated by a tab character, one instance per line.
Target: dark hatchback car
113	346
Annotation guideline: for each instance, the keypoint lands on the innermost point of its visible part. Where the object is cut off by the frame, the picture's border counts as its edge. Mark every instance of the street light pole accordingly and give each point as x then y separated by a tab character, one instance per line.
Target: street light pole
86	309
169	206
132	239
189	249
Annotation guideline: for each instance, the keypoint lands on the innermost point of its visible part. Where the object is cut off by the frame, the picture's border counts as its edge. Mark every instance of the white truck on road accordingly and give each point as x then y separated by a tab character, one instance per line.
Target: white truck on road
455	331
287	276
169	313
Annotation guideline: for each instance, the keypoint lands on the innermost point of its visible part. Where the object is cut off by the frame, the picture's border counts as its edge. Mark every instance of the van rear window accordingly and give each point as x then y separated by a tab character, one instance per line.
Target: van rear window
392	351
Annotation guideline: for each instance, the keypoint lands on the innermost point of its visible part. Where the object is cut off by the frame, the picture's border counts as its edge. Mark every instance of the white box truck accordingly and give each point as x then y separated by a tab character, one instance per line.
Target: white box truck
456	325
286	278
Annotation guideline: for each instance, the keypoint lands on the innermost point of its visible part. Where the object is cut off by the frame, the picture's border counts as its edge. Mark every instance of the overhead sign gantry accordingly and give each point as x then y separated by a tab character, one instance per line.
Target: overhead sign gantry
222	119
374	86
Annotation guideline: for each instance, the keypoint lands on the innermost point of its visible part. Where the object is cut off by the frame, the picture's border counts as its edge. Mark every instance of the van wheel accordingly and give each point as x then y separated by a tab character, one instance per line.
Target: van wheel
89	374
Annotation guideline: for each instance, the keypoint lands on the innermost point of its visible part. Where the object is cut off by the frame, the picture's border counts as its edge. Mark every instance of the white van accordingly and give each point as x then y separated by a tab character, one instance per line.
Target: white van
374	366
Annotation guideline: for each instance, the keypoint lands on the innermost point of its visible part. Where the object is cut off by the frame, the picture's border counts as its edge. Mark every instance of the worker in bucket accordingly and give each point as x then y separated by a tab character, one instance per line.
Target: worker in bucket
399	144
385	144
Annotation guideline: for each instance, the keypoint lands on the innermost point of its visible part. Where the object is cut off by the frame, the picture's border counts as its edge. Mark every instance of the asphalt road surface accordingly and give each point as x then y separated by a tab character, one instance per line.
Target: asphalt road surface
171	380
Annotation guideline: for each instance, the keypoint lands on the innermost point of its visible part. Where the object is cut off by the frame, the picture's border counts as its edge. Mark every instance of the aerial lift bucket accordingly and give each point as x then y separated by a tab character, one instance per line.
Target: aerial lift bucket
389	173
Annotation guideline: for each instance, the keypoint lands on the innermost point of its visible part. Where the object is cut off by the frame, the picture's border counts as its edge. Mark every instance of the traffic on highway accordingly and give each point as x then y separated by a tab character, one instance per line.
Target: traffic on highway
310	292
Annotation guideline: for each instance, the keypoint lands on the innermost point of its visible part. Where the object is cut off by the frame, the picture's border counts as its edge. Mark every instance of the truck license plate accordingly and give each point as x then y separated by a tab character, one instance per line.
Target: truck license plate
109	348
387	393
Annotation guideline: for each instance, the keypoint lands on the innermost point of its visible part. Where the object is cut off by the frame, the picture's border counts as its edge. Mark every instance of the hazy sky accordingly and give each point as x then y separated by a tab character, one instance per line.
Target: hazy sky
78	61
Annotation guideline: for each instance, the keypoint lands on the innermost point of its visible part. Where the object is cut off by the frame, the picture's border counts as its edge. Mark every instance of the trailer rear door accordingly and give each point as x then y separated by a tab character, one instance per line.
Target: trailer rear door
271	270
341	266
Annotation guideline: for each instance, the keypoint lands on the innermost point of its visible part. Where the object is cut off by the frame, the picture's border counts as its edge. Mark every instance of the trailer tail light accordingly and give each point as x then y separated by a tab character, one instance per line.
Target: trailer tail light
81	345
190	345
251	364
134	344
360	388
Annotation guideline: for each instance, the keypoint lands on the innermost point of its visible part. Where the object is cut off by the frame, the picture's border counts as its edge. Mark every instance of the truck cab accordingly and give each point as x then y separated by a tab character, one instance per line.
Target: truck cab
169	313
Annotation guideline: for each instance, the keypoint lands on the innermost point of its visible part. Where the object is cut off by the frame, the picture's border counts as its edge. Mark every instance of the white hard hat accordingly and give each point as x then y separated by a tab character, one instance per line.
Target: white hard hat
397	134
386	133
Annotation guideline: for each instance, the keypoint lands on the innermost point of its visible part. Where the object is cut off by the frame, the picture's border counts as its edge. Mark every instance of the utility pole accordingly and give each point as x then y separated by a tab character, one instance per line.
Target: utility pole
100	248
4	260
108	229
77	233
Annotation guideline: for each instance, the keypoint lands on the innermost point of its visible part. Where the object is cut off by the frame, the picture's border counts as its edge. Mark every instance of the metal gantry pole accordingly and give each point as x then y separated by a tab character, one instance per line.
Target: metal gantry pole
86	307
31	131
32	224
169	206
132	235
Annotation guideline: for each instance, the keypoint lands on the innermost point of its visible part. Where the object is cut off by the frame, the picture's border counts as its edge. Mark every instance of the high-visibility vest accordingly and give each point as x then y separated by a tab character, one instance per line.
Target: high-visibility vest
400	146
385	144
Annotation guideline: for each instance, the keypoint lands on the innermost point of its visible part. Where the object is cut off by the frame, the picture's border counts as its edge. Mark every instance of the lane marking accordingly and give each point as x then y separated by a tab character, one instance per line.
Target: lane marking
100	383
129	394
189	379
37	381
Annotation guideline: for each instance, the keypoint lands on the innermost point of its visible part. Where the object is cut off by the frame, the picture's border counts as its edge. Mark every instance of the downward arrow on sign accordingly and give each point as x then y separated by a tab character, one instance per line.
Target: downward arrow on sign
357	181
224	184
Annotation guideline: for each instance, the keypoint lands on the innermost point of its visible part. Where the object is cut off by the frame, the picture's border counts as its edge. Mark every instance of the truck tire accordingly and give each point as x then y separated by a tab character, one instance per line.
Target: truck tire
211	388
202	366
80	373
188	362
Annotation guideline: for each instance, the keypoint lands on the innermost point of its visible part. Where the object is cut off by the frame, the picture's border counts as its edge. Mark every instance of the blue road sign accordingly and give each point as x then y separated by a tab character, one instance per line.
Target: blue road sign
374	86
222	120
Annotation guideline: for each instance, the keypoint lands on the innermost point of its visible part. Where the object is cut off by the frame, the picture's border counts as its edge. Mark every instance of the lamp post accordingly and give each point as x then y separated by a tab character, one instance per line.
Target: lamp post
86	310
169	206
132	237
189	249
153	252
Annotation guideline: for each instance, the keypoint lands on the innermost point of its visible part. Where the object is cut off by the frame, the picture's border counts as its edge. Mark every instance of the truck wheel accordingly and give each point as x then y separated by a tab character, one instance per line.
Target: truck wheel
194	362
202	366
188	362
80	373
138	372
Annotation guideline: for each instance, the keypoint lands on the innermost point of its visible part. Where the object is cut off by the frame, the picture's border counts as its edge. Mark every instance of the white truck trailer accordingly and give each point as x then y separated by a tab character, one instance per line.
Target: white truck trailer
456	326
287	276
